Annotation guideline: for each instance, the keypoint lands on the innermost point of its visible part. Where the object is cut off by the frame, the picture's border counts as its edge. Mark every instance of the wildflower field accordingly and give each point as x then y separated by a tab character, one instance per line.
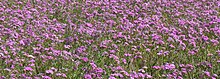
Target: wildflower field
109	39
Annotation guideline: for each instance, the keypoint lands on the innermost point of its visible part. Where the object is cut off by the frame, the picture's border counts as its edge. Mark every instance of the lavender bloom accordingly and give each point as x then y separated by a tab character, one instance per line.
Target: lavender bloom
109	39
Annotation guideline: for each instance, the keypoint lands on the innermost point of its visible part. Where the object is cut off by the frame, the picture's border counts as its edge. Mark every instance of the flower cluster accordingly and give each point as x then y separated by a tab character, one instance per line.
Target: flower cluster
109	39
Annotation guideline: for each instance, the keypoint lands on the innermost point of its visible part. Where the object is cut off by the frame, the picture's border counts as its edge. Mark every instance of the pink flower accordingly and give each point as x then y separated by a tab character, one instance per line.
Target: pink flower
99	70
124	61
28	69
89	24
61	74
93	65
148	76
141	75
85	59
127	54
87	76
117	75
64	75
172	46
213	78
148	50
218	20
192	52
49	71
169	66
209	54
156	67
207	73
67	46
46	77
111	77
215	75
215	42
21	42
37	78
205	38
120	35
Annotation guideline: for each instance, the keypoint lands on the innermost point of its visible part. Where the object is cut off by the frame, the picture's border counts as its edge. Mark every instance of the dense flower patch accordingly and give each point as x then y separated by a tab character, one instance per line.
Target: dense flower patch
109	39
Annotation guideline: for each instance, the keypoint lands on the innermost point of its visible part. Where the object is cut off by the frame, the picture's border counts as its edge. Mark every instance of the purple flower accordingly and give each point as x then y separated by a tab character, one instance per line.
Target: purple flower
49	71
124	61
21	42
205	38
156	67
192	52
169	66
207	73
85	59
111	77
28	69
215	75
148	76
93	65
89	24
46	77
215	42
99	70
141	75
87	76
